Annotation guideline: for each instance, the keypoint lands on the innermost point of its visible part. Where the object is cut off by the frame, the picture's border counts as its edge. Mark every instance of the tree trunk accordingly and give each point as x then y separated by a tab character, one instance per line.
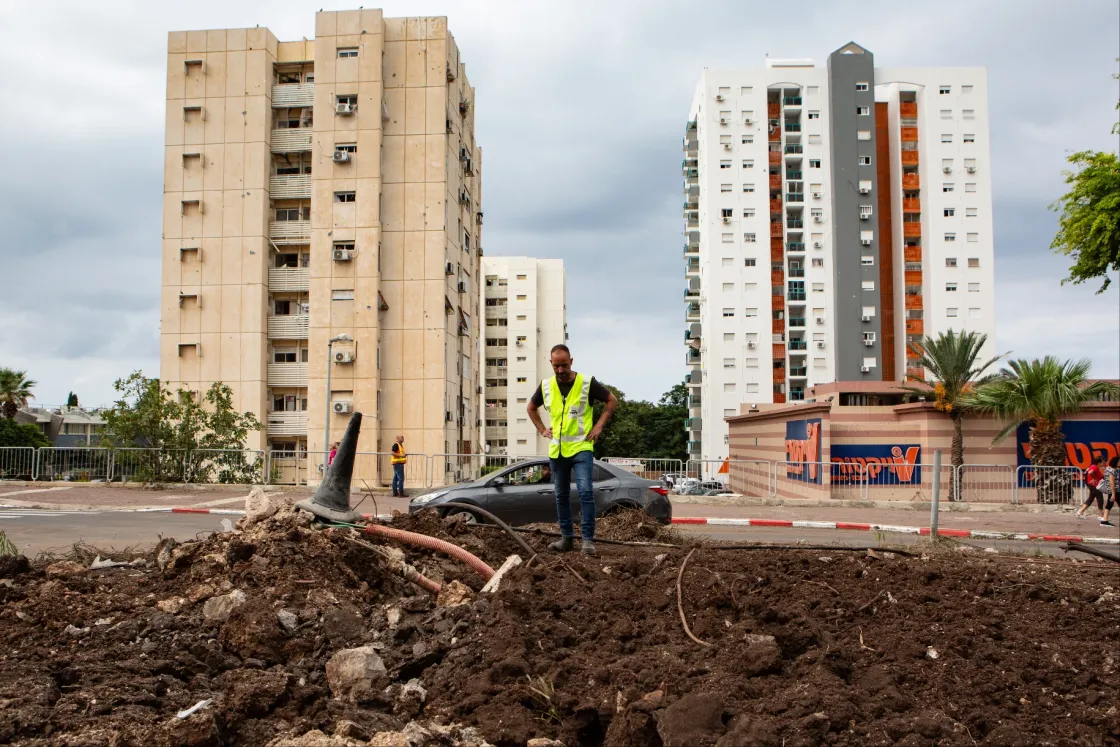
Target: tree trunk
956	455
1048	457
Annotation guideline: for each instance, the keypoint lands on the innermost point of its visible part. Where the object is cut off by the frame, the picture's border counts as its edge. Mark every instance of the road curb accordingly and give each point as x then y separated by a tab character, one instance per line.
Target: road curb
893	529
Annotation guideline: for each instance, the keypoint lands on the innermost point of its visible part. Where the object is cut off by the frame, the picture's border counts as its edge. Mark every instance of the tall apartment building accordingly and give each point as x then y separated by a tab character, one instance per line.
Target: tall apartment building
833	216
526	314
325	190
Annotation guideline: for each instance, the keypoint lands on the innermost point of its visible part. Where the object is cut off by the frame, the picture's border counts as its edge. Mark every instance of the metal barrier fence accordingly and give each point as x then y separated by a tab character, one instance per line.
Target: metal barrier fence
751	477
837	480
1050	485
902	480
73	464
986	483
648	468
287	468
146	465
448	469
17	463
241	466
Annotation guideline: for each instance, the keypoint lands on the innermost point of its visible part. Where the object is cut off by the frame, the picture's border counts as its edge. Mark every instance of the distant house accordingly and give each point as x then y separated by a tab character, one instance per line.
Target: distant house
65	426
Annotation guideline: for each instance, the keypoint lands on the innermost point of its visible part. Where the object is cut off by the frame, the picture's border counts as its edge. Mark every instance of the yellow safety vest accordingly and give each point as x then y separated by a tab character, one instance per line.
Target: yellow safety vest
401	457
571	416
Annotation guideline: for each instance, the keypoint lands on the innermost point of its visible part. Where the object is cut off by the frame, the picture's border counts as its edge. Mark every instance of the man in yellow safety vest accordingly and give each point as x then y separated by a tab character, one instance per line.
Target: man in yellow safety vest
399	458
568	396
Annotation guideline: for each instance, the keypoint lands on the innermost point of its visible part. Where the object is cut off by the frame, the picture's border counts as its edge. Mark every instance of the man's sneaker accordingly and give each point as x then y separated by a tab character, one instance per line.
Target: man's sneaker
564	544
587	547
1106	523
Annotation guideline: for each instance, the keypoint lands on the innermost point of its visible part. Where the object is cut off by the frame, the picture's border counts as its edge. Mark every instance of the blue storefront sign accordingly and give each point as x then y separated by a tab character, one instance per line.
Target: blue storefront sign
1084	441
803	450
884	464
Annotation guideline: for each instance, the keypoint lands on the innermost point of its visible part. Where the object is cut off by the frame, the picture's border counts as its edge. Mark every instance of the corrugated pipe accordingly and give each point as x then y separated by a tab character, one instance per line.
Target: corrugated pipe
423	540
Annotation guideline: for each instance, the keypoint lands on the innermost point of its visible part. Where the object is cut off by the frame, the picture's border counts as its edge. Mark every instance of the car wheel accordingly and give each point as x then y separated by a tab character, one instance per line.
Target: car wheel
472	517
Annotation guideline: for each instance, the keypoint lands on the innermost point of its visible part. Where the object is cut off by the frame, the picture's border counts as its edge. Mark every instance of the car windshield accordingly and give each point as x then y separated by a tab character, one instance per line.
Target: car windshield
529	474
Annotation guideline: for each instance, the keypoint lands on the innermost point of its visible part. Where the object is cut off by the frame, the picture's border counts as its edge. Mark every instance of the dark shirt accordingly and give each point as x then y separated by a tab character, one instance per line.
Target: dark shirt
597	392
396	448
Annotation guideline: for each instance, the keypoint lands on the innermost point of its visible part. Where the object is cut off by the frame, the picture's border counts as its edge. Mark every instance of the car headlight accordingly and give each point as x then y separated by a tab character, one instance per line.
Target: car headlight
420	500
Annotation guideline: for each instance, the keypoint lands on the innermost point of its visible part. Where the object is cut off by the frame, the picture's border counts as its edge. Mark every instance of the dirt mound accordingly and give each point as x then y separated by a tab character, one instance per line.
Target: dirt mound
287	633
635	525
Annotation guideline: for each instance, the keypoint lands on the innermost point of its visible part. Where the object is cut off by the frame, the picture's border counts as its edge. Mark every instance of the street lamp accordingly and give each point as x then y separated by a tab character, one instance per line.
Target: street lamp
327	398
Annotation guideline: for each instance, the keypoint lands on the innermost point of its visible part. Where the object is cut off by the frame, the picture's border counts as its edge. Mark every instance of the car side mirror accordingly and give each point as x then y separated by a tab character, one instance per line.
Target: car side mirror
498	482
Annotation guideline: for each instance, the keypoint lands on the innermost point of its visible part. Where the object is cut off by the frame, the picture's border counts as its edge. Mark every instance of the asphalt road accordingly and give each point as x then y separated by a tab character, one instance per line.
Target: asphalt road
33	531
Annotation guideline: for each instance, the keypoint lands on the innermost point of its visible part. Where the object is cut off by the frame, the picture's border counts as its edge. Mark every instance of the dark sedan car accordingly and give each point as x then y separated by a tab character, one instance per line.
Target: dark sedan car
522	494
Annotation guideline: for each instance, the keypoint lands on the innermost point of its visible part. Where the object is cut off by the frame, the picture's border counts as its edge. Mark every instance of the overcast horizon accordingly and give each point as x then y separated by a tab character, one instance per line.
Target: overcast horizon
579	110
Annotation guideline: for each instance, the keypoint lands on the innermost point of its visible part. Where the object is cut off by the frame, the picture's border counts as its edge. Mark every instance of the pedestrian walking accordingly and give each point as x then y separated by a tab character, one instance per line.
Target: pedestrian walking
1093	477
1110	481
567	397
334	450
398	459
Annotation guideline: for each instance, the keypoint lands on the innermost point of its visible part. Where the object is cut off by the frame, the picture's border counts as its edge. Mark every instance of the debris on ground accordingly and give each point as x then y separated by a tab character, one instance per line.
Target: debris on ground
283	633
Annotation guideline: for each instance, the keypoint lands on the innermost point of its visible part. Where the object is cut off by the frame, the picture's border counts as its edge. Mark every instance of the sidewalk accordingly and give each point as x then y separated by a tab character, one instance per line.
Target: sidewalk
1030	519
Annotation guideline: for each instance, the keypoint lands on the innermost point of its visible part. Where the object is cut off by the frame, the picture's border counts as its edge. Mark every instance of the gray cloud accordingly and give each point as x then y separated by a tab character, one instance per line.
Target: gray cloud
580	112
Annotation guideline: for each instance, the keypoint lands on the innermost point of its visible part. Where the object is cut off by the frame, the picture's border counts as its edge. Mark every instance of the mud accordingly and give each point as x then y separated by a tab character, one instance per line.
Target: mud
805	648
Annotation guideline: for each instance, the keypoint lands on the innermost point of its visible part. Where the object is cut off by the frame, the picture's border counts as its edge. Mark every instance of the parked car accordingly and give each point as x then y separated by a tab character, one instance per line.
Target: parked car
522	494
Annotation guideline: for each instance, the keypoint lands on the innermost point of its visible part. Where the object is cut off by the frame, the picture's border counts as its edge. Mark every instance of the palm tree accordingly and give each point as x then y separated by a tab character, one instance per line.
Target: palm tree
15	390
950	360
1042	393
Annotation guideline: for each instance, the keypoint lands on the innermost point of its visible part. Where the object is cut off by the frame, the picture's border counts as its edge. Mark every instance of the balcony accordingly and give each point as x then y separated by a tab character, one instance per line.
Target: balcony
796	394
911	181
777	326
495	413
289	279
692	357
290	231
795	223
291	141
794	176
693	378
909	158
691	294
794	148
694	239
796	296
797	321
693	401
910	134
913	277
908	109
792	101
293	95
776	182
692	311
691	251
912	254
497	291
775	206
496	344
795	246
287	374
690	144
774	134
693	447
798	372
916	371
912	230
779	398
915	327
496	372
289	327
774	158
694	424
795	197
690	206
913	302
798	345
496	312
286	423
792	127
911	205
773	111
776	229
776	277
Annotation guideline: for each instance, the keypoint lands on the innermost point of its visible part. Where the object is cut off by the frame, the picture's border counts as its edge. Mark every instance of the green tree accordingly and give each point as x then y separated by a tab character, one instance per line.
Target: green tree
179	436
951	360
1089	226
15	390
13	434
72	400
642	429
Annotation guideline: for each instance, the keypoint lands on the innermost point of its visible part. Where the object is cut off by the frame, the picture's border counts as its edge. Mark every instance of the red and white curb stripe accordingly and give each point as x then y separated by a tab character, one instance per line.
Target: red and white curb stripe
893	529
224	512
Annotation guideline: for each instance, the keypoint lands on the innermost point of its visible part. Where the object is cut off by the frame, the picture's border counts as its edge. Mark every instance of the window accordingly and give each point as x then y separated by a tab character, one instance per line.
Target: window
293	214
725	188
863	134
946	113
812	90
342	295
749	262
522	277
868	285
870	362
814	140
725	164
946	165
748	163
725	212
868	311
750	287
725	116
752	363
949	212
346	147
861	86
728	238
728	287
818	363
752	313
970	187
972	237
869	337
344	52
864	212
729	312
748	212
750	238
863	111
947	187
817	213
748	115
814	114
752	388
950	287
968	114
950	237
814	163
951	313
350	99
974	313
746	90
950	261
521	297
944	90
946	137
864	160
973	262
818	262
344	197
728	387
968	138
725	90
729	413
966	89
818	287
867	260
522	379
974	287
729	337
726	261
729	363
970	213
748	188
725	140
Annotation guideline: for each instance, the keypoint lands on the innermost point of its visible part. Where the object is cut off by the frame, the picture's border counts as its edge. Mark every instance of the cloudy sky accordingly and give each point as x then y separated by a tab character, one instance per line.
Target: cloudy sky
580	109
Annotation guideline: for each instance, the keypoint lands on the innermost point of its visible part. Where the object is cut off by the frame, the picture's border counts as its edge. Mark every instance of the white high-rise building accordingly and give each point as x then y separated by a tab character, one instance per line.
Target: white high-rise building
833	216
525	314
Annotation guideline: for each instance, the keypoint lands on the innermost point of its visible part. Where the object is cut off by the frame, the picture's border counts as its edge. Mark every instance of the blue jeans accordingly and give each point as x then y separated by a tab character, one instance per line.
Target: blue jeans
581	465
398	479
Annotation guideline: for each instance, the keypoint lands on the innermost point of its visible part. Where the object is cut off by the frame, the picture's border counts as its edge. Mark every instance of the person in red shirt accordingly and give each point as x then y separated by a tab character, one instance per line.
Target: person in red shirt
1093	477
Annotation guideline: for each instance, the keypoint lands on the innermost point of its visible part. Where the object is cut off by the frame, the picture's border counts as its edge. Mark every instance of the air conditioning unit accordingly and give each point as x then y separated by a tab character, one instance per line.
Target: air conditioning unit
947	169
723	120
751	343
970	169
447	416
868	343
462	287
343	356
727	146
821	344
817	245
818	219
719	97
748	121
727	219
816	195
866	319
344	108
866	242
865	369
341	156
450	269
342	255
820	320
865	216
865	190
343	406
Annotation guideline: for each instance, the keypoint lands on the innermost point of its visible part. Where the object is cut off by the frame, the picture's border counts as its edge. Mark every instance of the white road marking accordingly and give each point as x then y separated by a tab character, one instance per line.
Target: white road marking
35	490
33	513
219	502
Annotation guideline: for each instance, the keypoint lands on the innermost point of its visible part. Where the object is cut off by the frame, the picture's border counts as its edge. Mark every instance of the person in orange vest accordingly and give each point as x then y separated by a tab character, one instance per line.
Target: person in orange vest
398	459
